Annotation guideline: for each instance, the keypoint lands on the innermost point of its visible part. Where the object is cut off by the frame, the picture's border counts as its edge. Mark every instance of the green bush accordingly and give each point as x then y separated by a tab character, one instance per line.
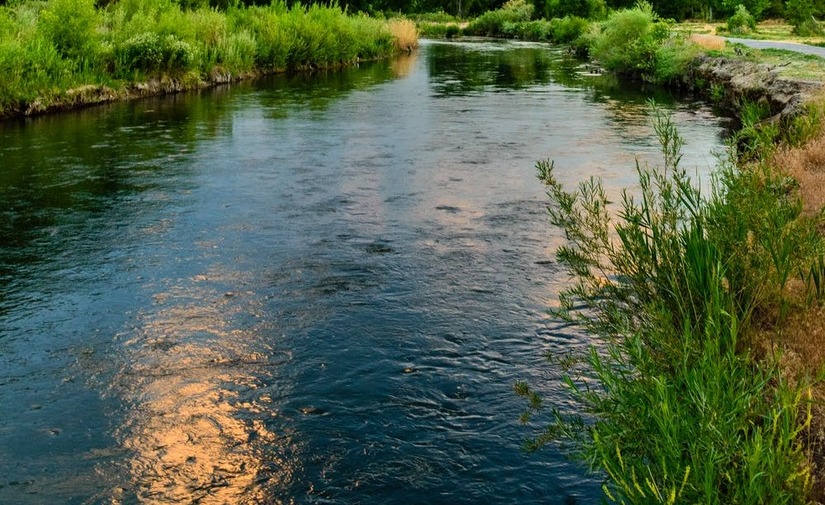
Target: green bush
742	21
51	46
452	31
800	13
434	17
71	26
237	52
491	23
588	9
672	59
150	52
808	28
568	29
536	30
627	42
433	30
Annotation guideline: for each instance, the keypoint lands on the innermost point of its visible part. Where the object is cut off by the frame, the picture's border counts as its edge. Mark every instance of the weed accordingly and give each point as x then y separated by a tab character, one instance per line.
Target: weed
676	408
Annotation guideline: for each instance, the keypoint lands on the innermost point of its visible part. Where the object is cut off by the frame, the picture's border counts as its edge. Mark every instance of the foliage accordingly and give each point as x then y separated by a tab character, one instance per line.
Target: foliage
70	25
672	57
628	41
799	11
589	9
801	14
492	23
753	7
49	48
741	22
677	409
568	29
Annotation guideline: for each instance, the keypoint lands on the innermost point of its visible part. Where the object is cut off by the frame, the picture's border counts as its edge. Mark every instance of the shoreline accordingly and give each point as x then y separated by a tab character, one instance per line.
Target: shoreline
92	95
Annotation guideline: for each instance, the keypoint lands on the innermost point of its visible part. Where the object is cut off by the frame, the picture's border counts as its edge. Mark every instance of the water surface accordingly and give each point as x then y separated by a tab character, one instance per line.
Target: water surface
312	289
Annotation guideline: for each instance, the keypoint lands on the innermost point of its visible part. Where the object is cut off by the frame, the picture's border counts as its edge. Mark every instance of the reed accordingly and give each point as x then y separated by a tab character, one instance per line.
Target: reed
404	33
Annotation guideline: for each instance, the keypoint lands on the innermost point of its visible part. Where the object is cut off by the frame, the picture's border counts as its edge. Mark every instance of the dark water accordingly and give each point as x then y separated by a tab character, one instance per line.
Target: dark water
316	289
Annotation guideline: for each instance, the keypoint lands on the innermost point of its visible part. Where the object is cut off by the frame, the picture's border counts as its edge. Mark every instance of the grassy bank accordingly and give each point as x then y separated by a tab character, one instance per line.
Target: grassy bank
704	386
64	52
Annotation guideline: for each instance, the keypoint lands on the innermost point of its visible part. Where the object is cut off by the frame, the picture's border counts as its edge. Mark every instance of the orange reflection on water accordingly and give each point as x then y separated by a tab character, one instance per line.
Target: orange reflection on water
191	436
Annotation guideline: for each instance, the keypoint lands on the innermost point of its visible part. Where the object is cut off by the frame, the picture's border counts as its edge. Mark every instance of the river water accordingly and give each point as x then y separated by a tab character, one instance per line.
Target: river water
311	289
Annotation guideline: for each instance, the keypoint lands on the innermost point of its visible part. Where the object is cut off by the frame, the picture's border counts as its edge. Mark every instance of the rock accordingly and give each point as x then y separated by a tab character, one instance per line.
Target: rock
754	82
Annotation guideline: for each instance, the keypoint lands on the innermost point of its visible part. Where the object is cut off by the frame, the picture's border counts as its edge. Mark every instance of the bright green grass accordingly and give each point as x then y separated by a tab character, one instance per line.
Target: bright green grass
48	48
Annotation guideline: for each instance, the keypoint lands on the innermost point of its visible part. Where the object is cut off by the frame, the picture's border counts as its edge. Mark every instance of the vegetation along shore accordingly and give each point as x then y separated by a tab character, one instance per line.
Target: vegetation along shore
61	54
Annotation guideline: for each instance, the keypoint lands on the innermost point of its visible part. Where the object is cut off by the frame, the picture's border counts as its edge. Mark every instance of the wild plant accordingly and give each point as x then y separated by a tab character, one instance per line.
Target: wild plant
675	409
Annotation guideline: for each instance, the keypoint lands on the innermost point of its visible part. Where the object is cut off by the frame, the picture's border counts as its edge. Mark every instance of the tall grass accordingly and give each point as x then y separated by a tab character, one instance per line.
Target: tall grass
677	409
47	48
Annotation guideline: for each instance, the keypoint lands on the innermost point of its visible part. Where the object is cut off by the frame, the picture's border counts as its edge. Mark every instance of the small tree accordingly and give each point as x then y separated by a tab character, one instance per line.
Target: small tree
800	13
741	21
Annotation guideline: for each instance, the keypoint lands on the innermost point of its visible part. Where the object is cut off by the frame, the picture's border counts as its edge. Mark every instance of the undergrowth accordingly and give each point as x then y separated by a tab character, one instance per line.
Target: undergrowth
49	47
675	405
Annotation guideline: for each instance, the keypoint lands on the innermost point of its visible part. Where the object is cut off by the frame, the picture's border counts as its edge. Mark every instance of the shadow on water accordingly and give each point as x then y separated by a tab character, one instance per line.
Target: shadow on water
302	289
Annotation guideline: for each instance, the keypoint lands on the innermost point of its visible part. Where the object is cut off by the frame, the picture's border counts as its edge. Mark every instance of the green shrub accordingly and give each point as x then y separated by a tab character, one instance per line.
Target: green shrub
51	46
434	17
433	30
628	40
452	31
808	28
800	13
537	30
742	21
237	52
273	41
71	26
491	23
672	58
149	52
568	29
588	9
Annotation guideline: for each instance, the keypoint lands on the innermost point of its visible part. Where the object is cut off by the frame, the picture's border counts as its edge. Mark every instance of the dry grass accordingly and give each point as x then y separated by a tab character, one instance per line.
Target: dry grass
709	42
404	34
806	164
800	339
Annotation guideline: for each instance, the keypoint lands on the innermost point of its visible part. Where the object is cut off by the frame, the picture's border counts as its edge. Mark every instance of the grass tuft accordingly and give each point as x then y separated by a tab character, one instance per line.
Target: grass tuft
404	34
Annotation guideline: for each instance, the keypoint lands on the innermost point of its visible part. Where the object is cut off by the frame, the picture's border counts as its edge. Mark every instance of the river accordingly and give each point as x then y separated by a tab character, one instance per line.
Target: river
305	289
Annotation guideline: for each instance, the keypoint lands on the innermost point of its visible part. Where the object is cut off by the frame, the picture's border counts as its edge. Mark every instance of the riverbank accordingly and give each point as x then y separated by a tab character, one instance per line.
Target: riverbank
64	54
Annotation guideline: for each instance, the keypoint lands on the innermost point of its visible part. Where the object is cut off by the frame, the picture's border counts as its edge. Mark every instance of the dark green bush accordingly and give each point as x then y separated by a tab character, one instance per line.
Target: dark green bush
452	31
742	21
568	28
808	28
491	23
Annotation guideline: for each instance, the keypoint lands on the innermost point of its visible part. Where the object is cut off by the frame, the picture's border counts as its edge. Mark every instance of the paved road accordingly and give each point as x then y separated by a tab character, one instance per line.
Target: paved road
788	46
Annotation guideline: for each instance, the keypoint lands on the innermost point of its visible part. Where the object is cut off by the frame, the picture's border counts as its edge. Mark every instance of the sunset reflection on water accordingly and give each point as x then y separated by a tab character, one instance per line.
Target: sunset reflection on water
199	426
